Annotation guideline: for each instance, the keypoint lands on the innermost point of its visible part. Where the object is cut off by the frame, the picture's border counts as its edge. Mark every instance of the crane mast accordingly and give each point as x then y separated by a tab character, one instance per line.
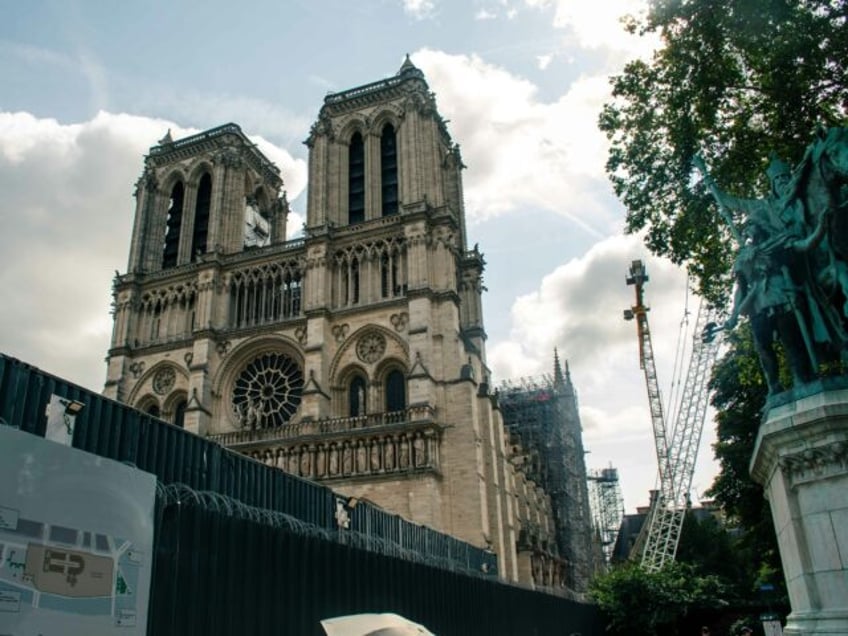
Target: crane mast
676	454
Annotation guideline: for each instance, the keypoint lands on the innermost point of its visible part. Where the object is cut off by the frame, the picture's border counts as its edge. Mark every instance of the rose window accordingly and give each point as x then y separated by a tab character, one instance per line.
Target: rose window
268	391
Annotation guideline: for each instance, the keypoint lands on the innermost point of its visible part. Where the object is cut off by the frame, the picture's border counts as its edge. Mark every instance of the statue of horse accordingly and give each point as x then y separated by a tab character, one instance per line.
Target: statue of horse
820	183
823	178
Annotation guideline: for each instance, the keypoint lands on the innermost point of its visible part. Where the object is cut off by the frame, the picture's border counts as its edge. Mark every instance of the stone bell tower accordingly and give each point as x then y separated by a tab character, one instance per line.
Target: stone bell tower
354	355
200	201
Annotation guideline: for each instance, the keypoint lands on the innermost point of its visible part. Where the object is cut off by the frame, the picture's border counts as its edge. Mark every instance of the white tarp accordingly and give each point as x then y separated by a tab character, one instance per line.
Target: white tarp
373	625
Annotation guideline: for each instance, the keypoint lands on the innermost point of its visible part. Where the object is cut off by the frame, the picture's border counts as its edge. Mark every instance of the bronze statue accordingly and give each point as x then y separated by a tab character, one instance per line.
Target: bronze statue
792	261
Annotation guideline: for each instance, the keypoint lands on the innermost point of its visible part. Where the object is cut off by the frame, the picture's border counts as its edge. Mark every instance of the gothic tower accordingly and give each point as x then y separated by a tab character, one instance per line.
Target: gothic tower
355	355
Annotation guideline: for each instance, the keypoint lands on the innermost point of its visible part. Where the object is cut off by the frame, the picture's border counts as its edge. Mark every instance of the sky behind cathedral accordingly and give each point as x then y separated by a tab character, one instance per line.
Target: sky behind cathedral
89	86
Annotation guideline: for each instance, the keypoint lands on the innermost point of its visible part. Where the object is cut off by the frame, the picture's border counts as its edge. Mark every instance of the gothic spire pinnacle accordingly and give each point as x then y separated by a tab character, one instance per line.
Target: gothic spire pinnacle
407	65
558	379
408	68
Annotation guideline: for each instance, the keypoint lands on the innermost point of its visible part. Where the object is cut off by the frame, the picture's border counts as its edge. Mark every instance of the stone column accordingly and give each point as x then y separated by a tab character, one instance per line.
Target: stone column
801	459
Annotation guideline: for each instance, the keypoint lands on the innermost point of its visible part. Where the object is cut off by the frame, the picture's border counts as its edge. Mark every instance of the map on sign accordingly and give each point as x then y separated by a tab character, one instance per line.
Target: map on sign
75	541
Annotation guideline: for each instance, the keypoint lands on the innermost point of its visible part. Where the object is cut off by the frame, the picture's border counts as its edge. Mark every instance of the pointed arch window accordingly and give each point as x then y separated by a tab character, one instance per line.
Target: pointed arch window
356	396
395	391
356	180
201	216
179	414
350	281
389	170
153	409
173	225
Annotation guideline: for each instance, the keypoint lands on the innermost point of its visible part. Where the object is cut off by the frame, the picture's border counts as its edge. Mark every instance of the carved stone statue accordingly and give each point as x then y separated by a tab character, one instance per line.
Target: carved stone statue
419	455
389	463
334	460
361	458
792	261
305	462
375	455
403	453
347	459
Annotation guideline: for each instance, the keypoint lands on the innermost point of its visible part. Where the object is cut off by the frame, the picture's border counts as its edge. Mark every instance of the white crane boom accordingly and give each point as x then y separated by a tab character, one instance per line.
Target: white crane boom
675	458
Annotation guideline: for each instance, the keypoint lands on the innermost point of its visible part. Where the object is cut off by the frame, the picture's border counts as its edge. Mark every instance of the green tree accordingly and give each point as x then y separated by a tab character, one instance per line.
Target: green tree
733	80
707	545
636	601
739	393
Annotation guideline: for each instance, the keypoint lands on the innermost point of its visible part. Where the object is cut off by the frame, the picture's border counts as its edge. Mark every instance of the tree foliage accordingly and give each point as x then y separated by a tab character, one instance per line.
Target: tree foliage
733	80
739	393
707	545
636	601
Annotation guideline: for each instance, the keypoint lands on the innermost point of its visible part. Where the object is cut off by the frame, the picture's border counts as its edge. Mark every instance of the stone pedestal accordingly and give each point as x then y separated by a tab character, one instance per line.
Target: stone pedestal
801	458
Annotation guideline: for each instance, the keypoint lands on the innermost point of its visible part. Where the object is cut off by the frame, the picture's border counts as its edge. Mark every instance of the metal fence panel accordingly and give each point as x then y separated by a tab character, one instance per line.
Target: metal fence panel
116	431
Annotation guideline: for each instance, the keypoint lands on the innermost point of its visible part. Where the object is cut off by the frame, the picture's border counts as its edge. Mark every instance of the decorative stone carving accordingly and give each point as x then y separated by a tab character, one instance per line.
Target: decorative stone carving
816	463
223	347
300	335
188	357
137	368
268	391
419	449
371	347
340	332
399	321
230	158
164	380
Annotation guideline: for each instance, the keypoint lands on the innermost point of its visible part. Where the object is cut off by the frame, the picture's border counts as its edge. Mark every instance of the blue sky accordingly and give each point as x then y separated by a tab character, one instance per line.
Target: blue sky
89	86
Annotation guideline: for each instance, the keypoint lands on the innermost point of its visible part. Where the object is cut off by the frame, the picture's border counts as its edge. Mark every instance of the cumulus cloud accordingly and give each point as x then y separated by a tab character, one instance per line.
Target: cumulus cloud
598	25
521	150
543	61
419	9
578	307
65	223
254	115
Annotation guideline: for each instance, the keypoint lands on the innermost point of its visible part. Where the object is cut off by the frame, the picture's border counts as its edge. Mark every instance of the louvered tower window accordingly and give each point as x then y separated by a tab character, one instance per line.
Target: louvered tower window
389	170
356	180
201	216
173	225
179	414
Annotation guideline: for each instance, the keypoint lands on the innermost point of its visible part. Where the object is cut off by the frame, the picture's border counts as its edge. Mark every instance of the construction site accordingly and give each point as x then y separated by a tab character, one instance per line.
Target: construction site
545	434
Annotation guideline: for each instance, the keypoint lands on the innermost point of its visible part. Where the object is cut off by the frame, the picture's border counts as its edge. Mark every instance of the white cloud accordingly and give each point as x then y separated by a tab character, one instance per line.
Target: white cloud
598	25
484	14
522	151
419	9
65	222
544	61
254	115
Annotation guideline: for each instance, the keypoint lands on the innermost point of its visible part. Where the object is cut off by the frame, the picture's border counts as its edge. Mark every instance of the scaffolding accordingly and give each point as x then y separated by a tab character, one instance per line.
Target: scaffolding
541	416
607	507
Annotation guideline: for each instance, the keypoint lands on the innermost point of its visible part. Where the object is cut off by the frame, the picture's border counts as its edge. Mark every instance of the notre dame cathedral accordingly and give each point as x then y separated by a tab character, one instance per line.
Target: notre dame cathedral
353	355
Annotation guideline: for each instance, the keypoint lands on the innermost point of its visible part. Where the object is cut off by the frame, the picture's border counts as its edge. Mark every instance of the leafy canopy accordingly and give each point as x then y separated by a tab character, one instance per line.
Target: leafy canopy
739	393
734	80
636	601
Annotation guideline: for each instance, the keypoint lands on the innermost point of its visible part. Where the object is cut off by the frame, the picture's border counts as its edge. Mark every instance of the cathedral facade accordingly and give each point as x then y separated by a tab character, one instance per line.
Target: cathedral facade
353	355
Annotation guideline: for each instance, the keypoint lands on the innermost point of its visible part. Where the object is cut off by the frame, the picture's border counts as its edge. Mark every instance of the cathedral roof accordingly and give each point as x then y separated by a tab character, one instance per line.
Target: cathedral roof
379	90
168	150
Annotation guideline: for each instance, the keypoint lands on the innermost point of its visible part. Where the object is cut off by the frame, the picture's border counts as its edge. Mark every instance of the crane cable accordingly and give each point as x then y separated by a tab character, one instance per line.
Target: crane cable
673	406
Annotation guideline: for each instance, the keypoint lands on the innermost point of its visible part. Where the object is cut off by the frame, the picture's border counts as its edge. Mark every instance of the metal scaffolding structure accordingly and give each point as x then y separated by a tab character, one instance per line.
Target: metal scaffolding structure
541	415
607	506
